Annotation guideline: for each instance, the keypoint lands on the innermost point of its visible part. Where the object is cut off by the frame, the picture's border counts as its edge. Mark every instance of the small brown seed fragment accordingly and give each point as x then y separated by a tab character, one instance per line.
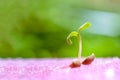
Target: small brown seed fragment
75	63
89	59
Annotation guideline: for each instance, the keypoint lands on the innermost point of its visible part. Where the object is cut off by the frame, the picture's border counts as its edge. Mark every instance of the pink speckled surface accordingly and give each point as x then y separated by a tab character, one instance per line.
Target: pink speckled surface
58	69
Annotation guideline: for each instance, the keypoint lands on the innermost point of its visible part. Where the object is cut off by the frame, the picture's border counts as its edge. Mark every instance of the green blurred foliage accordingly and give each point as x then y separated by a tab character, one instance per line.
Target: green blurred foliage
39	28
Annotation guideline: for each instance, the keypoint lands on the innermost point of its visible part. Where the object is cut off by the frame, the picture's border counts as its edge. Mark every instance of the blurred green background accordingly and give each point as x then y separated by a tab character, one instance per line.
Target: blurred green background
39	28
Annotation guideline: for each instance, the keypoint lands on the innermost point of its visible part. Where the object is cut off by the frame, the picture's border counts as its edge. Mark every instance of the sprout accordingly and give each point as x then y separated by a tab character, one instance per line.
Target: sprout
77	62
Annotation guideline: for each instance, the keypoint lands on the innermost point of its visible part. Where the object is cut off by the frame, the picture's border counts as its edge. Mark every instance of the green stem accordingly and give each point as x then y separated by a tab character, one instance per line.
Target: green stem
80	46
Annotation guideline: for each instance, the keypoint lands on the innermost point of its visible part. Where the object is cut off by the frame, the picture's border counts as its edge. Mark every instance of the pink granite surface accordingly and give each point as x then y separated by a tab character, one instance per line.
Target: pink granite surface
58	69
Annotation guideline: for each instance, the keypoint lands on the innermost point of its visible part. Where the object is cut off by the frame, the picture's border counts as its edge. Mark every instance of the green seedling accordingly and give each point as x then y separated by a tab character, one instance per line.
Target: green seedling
77	62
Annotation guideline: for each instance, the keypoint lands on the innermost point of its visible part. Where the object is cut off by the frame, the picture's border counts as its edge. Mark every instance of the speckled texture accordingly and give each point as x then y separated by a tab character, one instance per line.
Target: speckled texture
58	69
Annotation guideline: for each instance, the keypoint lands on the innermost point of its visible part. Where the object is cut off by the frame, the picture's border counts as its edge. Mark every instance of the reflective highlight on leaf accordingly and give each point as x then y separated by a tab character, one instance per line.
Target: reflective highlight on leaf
72	34
84	26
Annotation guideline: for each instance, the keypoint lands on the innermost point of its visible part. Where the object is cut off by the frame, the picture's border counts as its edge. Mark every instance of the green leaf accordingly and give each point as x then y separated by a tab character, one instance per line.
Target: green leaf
84	26
72	34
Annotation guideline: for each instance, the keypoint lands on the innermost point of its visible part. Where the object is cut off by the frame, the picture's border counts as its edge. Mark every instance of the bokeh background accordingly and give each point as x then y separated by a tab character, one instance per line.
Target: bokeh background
39	28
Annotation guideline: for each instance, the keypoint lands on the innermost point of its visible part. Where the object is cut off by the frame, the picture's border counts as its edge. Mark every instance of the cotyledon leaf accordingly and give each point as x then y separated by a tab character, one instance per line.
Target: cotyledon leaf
84	26
72	34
